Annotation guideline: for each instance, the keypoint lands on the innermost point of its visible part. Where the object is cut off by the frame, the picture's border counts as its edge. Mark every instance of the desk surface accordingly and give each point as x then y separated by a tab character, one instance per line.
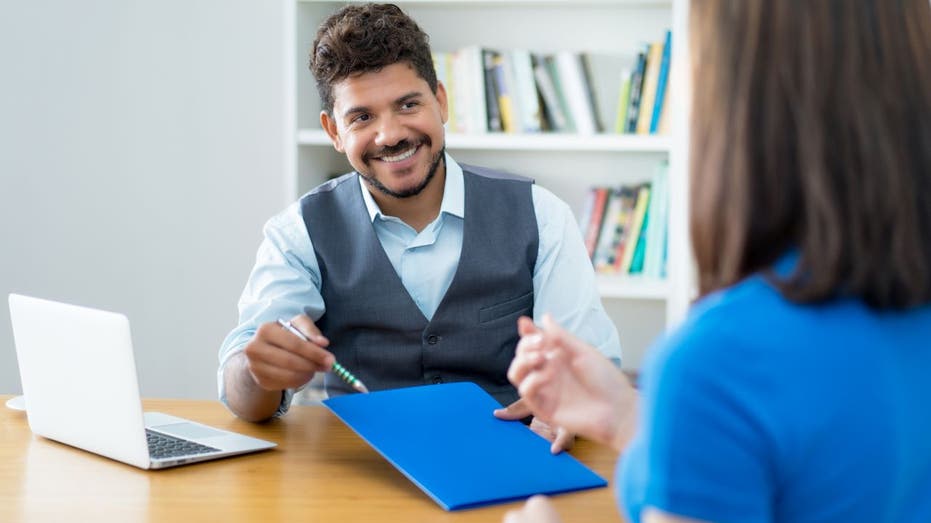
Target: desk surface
321	471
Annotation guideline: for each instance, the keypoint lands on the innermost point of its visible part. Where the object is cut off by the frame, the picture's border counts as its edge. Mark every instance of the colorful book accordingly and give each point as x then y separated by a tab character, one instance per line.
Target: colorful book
659	104
622	229
636	223
597	217
612	225
504	82
650	80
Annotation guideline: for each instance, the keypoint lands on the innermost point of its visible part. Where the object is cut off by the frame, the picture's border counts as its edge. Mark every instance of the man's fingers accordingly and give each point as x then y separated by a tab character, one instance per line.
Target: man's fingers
276	336
280	357
517	410
307	326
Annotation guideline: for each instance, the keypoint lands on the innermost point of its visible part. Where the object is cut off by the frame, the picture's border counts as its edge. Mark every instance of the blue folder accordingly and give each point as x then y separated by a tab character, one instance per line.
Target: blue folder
446	440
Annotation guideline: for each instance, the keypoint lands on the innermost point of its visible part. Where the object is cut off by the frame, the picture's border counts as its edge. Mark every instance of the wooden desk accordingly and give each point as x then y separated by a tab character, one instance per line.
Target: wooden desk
320	472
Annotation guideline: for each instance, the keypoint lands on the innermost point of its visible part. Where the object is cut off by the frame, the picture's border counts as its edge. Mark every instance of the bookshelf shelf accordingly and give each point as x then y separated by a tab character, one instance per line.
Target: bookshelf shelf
530	142
624	287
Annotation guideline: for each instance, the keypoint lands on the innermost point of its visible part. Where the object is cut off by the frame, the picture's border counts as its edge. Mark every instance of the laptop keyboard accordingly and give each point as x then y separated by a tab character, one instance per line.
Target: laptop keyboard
163	446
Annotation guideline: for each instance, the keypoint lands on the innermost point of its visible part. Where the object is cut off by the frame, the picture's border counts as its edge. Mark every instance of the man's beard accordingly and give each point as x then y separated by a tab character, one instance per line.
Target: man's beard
413	191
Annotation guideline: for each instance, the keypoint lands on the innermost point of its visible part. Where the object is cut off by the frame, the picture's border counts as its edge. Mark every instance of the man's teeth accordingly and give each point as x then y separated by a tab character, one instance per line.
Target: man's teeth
406	154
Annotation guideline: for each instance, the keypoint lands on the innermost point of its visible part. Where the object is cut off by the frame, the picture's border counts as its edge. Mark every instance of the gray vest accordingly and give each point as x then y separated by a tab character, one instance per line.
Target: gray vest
375	328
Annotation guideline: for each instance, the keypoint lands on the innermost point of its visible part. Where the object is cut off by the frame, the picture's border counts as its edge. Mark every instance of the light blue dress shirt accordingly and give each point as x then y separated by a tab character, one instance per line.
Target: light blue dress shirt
285	280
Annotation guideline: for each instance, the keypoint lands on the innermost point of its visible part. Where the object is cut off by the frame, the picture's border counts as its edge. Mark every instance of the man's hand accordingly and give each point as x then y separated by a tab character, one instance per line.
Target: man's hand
278	360
273	361
561	439
537	509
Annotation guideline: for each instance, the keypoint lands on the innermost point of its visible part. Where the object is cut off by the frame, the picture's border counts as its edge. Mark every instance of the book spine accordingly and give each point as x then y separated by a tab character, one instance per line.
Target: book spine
525	87
648	93
591	99
607	237
491	91
643	197
636	88
597	217
573	82
505	89
622	101
555	76
656	232
659	104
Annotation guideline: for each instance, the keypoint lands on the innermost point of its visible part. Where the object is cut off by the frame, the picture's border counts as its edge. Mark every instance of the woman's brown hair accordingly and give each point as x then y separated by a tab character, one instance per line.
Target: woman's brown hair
364	38
811	132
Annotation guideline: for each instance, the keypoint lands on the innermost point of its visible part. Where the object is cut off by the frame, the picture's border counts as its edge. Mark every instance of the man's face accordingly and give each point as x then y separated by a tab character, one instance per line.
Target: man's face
390	126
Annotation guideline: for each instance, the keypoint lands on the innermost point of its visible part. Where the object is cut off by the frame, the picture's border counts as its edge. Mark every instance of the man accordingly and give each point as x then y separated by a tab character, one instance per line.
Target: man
412	269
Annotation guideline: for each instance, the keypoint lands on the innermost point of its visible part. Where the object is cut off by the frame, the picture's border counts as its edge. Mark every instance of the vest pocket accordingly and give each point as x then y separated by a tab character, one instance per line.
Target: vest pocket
522	305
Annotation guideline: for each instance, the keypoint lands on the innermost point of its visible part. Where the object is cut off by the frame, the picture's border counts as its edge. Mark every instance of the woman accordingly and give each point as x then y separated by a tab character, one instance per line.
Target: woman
797	388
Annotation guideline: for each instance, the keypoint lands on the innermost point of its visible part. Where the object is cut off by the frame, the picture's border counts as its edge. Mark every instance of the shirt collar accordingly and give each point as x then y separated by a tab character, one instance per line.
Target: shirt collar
453	193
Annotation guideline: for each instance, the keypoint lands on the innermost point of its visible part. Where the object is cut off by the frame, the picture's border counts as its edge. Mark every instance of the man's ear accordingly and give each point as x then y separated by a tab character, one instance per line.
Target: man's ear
441	97
329	125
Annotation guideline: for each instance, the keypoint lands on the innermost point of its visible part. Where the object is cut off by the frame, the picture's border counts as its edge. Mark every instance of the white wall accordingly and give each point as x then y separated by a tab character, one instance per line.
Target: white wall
141	149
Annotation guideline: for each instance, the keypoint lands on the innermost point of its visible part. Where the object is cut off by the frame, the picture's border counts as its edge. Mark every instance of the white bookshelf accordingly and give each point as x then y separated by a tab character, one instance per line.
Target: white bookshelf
566	164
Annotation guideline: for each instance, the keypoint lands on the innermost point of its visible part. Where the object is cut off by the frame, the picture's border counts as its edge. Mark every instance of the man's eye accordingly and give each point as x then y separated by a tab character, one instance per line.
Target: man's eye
361	118
409	105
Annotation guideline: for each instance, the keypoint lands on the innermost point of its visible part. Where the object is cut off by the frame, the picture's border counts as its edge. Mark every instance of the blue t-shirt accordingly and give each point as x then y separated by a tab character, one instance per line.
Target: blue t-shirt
759	409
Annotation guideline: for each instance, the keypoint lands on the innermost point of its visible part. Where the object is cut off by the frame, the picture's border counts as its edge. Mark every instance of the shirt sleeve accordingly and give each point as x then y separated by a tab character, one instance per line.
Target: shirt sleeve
706	444
564	280
284	282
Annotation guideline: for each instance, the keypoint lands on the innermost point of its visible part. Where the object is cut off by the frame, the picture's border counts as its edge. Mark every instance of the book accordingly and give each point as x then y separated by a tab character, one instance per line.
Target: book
549	62
525	90
585	214
622	99
611	227
636	88
576	90
653	259
636	264
446	440
590	97
648	92
636	223
622	228
493	110
504	83
659	104
593	228
469	76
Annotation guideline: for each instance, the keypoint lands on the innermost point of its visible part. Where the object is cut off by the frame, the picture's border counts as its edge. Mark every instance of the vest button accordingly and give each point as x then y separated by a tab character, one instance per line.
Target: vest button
437	380
432	339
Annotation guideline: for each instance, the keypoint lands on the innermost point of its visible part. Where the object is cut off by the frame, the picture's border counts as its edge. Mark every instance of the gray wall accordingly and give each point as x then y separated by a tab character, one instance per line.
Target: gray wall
141	149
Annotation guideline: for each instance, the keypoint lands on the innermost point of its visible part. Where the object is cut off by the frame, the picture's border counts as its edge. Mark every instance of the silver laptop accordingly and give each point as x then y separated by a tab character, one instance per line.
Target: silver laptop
79	381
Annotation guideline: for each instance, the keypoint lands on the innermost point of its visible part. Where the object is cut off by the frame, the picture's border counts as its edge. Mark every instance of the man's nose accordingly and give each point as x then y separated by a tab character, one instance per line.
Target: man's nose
390	131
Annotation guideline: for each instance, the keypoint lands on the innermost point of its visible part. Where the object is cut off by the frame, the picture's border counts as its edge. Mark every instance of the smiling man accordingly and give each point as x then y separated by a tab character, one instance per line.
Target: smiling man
412	269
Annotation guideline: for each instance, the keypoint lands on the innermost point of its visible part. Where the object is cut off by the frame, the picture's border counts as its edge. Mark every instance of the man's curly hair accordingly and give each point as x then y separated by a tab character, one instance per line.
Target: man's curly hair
364	38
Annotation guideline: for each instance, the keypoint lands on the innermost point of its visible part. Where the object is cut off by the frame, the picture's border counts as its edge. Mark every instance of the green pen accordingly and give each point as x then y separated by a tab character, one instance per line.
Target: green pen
338	369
